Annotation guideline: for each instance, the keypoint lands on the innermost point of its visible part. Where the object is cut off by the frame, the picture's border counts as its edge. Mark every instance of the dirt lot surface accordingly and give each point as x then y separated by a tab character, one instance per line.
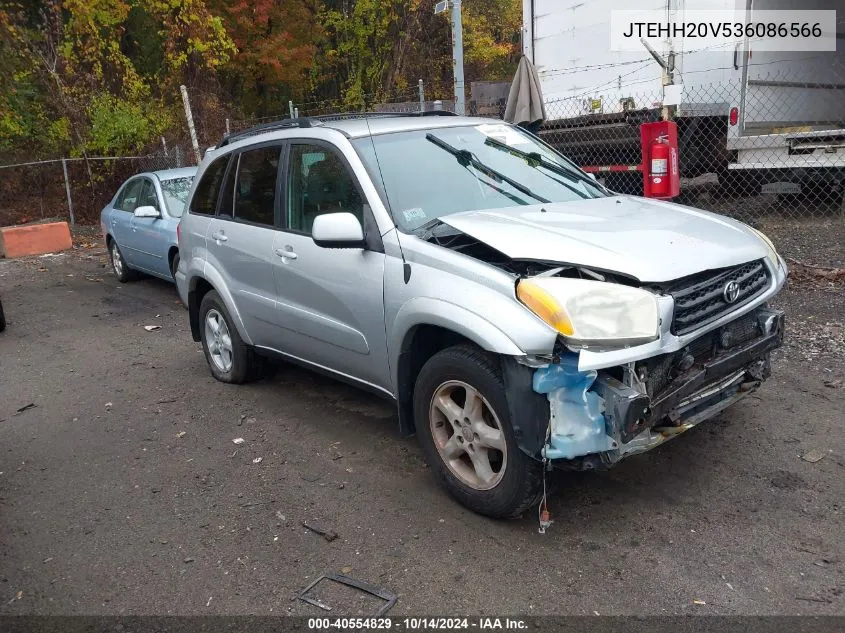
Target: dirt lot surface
122	492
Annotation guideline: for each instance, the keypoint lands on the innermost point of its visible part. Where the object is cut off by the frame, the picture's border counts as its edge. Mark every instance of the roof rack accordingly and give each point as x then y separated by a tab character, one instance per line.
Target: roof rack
305	122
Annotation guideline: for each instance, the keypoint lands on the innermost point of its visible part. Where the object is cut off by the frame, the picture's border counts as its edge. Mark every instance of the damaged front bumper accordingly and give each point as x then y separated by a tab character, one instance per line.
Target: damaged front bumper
598	417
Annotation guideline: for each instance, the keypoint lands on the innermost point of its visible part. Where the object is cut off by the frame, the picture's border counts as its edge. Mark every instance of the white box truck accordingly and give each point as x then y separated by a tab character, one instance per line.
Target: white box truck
779	116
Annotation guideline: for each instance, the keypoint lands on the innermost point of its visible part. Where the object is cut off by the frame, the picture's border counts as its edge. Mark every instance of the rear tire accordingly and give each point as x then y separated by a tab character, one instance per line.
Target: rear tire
229	358
174	266
471	448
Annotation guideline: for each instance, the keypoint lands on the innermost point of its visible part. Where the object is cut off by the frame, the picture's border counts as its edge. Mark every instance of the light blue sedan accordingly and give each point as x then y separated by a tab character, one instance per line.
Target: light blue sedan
140	223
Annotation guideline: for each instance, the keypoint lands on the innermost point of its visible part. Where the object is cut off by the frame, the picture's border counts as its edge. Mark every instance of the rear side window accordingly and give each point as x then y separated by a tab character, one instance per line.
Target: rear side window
255	185
204	201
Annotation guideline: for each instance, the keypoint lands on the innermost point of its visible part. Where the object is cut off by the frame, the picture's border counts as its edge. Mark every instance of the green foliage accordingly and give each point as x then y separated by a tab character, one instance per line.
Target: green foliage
119	126
103	76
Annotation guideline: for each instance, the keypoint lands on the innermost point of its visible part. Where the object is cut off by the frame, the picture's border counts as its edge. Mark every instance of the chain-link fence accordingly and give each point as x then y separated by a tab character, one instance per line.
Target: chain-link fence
770	143
73	189
775	147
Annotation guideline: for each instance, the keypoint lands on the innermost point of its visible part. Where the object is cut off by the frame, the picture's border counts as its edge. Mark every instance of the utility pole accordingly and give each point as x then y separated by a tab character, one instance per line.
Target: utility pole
190	117
457	50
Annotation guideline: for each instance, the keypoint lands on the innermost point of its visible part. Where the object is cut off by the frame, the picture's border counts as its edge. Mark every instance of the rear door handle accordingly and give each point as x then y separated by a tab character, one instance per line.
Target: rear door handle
285	254
220	236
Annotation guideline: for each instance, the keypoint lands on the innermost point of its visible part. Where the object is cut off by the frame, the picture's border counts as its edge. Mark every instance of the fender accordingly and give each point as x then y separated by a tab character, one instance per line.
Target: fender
431	311
213	277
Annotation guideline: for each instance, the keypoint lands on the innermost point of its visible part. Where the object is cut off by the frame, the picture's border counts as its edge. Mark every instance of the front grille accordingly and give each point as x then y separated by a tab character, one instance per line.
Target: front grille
700	300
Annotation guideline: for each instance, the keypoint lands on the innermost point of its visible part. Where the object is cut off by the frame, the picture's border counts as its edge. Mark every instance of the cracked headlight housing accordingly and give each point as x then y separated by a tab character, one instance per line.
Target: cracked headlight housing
592	313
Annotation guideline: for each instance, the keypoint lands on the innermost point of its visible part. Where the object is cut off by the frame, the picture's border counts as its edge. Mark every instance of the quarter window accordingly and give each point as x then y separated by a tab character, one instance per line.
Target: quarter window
204	201
319	182
255	187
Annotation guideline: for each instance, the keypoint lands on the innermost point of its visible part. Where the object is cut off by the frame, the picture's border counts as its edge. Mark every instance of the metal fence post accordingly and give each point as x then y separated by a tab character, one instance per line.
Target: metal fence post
190	119
67	190
290	106
164	146
422	97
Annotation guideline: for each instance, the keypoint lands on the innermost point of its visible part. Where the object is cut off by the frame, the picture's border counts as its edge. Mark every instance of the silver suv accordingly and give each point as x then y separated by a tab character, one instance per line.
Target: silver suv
520	315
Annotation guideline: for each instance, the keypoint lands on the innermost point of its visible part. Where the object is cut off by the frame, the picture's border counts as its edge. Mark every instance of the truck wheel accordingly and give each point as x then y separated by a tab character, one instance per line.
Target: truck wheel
229	358
461	417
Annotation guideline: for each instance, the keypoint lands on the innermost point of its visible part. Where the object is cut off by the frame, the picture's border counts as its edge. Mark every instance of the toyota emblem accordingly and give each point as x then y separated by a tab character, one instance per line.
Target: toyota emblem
731	292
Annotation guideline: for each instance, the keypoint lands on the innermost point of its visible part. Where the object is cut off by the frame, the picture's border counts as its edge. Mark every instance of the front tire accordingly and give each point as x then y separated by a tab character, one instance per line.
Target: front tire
118	264
461	417
229	358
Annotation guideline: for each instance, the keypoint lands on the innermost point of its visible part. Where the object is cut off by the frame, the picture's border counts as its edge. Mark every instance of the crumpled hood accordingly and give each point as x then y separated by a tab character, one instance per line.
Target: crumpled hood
651	240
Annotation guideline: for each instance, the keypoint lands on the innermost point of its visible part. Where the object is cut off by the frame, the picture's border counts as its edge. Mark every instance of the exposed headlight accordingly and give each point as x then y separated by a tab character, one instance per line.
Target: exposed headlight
592	313
772	252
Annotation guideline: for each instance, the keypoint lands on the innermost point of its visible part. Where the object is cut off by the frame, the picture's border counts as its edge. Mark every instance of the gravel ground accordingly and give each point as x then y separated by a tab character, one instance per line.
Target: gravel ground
122	492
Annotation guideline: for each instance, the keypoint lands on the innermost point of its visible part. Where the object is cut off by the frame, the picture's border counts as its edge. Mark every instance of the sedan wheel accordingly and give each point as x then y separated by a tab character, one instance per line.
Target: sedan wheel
468	435
118	264
219	341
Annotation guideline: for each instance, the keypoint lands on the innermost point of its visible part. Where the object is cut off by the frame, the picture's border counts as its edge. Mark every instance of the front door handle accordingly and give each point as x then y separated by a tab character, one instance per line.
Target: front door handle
285	254
220	236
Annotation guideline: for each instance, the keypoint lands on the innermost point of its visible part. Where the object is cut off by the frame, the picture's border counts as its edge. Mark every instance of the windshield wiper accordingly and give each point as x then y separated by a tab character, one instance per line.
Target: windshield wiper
468	159
535	159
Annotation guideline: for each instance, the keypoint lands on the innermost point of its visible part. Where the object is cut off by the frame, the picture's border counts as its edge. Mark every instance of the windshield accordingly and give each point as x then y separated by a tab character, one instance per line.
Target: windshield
433	173
176	192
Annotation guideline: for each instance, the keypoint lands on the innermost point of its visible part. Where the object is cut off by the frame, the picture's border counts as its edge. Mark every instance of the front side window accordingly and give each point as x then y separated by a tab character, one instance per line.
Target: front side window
148	197
319	182
128	199
204	201
428	174
255	185
176	192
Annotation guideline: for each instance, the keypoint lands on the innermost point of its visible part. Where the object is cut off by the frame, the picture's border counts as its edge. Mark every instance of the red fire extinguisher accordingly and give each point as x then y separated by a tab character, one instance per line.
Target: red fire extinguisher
659	168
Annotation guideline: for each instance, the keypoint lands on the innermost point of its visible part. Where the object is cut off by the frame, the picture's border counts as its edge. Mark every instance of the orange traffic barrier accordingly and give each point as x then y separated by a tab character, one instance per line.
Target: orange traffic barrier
34	239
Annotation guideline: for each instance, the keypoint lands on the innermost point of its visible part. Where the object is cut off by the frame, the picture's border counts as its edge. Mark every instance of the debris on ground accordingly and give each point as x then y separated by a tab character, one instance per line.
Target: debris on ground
152	328
180	434
238	441
109	405
26	407
280	516
389	598
257	460
698	602
327	534
18	596
188	559
801	271
813	456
